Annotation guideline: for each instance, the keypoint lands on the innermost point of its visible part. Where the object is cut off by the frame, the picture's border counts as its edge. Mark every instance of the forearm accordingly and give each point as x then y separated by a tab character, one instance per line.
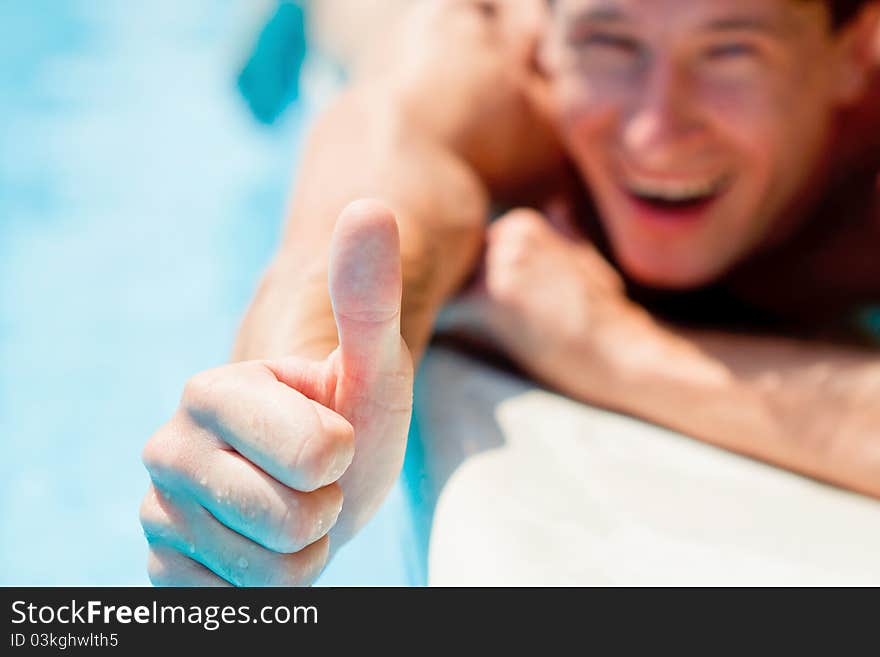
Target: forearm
362	147
418	134
808	407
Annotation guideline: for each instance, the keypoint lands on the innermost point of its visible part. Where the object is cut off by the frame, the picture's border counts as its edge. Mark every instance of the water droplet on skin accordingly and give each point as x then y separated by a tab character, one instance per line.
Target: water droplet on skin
242	563
203	481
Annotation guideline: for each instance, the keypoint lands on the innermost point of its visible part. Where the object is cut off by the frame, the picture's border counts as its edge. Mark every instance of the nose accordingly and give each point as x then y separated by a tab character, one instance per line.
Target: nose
664	123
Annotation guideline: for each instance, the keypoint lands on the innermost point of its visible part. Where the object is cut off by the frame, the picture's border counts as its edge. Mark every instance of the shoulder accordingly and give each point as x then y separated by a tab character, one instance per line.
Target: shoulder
464	71
453	29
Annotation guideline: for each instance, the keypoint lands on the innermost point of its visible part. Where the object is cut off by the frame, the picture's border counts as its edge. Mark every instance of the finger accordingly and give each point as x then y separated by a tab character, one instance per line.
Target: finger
251	503
365	288
191	530
313	378
168	567
373	365
278	428
248	500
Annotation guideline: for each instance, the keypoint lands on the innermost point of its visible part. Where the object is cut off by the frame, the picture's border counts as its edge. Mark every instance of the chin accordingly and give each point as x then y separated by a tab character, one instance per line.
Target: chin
667	275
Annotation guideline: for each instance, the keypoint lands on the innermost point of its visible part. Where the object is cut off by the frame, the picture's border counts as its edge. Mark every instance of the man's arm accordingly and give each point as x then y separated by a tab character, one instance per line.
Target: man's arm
810	407
249	475
805	406
360	148
433	130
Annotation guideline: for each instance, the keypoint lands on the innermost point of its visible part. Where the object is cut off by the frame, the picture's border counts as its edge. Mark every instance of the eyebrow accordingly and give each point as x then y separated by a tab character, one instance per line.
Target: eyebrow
739	23
599	15
611	14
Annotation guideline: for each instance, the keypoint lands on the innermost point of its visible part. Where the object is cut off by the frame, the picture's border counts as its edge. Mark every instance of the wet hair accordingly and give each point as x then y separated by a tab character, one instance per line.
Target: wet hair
842	11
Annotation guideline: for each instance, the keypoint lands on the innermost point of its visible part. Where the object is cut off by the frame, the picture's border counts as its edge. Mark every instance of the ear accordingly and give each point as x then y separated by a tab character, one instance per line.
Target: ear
858	54
528	23
547	53
545	62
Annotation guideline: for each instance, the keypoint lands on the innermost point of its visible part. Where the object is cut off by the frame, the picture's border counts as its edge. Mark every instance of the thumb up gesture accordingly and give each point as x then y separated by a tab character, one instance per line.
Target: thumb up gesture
266	464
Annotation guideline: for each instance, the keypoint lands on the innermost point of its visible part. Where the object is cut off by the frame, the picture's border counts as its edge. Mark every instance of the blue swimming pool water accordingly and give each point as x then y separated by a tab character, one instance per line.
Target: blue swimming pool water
139	201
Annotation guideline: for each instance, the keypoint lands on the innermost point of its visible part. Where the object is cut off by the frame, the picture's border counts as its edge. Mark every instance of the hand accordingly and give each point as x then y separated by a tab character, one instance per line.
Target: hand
544	297
248	477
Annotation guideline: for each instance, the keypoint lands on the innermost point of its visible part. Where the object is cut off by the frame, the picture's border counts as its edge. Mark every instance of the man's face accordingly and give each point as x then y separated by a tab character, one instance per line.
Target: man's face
697	124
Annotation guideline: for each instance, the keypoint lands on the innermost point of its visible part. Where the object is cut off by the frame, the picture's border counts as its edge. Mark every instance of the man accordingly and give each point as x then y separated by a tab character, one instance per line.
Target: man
721	193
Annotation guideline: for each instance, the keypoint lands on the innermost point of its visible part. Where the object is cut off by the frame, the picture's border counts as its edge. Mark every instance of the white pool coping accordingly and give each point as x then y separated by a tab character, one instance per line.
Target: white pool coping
532	488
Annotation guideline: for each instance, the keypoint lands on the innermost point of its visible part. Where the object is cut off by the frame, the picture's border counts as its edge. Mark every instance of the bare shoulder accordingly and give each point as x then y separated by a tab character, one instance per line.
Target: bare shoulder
465	72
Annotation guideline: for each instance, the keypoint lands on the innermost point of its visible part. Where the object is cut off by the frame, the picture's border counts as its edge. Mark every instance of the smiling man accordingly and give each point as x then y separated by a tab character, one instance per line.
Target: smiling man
701	178
702	128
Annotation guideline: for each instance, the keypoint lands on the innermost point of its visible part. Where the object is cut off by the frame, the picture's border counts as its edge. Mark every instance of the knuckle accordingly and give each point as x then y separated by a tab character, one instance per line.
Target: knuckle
156	454
522	225
167	451
201	393
151	454
514	244
155	520
524	217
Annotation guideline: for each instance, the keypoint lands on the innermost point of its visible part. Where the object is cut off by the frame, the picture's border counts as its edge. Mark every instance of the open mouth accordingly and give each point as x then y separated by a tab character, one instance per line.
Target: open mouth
676	200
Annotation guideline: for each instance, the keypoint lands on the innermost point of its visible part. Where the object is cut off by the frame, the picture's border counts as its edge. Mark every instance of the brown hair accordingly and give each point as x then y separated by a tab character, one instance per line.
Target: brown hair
842	11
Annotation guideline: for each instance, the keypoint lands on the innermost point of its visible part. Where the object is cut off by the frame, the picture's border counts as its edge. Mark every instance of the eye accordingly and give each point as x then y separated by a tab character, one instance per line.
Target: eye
608	41
731	51
613	41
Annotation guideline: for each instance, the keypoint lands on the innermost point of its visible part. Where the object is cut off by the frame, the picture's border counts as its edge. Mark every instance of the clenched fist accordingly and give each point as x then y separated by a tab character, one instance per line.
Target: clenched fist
266	464
547	298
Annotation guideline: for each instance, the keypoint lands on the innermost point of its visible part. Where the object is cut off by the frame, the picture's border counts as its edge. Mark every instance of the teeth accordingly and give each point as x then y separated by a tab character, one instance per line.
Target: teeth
677	191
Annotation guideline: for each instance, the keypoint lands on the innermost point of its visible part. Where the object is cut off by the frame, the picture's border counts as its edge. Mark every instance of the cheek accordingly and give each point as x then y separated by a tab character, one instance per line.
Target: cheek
775	128
753	140
750	138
